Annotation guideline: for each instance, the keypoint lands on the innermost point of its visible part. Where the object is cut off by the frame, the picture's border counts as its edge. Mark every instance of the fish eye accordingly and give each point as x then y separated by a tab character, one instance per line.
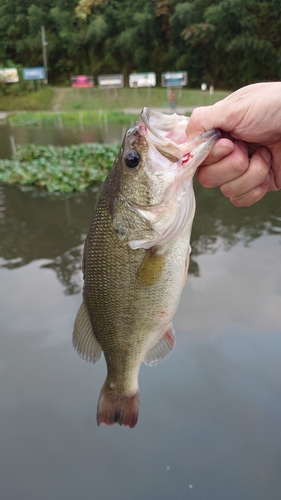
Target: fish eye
132	158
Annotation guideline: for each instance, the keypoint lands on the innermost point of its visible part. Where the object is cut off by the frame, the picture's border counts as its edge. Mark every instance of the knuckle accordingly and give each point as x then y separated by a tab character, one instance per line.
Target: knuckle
227	190
241	164
249	198
237	202
262	169
197	117
205	178
205	183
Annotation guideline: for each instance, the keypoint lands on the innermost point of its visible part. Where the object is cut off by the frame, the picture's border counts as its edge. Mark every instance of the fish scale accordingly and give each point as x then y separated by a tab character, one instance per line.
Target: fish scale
114	287
136	258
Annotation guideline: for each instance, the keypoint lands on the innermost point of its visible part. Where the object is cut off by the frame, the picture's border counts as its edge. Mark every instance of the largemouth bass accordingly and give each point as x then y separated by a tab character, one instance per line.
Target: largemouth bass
136	257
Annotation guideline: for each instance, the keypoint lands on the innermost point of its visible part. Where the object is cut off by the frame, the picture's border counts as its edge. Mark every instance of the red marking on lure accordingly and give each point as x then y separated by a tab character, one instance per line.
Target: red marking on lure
187	157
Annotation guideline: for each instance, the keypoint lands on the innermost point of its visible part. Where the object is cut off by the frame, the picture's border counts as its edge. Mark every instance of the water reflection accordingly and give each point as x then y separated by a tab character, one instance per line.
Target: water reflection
35	226
209	424
219	225
59	135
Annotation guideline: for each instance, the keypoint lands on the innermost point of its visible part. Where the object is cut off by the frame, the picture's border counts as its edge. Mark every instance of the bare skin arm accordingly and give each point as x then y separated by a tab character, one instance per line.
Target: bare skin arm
246	162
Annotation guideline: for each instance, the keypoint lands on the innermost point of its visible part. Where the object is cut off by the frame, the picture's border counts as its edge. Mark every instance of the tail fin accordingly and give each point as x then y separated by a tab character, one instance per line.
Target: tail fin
117	408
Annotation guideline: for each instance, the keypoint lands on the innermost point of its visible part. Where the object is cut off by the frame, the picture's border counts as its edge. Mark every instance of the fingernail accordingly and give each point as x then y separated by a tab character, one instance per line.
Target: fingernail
267	179
222	150
242	145
265	154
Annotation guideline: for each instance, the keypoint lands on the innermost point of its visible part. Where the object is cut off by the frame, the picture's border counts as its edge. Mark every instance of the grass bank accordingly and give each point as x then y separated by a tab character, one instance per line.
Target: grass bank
28	101
74	100
71	119
95	99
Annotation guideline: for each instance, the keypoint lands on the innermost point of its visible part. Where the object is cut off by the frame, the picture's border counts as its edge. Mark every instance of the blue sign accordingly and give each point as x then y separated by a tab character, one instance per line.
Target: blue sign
33	73
173	82
174	79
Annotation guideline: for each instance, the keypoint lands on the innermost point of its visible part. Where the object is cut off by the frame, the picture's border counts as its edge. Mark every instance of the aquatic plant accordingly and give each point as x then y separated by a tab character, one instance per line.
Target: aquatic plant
59	169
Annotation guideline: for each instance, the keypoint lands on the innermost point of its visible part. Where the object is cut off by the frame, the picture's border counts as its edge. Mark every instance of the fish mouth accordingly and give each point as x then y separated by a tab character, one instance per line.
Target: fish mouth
162	125
174	206
165	132
168	134
199	147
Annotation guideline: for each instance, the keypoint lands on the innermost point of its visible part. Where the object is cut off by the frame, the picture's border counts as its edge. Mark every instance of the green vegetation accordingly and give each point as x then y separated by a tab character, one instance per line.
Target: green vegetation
229	42
24	99
96	100
81	118
96	106
59	169
76	167
136	98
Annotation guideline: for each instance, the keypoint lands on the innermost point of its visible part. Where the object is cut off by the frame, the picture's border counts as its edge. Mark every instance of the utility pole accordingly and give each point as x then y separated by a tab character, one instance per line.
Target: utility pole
44	44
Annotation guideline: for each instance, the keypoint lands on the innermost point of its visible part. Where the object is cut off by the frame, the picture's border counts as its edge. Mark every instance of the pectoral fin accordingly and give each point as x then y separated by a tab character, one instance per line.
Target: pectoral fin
83	338
151	268
162	349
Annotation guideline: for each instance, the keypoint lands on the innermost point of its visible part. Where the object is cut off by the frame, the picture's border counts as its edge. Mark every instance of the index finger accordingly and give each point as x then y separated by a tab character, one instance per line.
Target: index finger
224	170
202	120
221	149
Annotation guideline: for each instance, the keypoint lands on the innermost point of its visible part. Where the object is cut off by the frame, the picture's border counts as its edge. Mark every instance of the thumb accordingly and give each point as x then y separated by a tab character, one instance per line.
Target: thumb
201	120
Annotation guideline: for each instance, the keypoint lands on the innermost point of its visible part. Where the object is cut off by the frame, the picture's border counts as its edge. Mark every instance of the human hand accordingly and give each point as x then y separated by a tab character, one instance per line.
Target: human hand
246	162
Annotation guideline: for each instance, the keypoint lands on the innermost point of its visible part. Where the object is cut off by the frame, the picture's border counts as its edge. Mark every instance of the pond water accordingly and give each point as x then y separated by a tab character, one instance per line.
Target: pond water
59	135
210	415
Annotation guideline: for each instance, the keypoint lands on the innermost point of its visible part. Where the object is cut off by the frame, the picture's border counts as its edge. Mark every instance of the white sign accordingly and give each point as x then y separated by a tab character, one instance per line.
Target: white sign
142	80
174	79
9	75
110	81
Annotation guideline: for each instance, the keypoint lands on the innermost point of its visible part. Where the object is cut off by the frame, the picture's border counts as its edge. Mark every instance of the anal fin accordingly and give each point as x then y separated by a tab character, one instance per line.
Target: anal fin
83	337
162	349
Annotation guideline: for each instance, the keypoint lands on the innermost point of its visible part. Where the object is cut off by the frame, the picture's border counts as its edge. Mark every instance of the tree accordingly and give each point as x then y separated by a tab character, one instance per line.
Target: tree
232	42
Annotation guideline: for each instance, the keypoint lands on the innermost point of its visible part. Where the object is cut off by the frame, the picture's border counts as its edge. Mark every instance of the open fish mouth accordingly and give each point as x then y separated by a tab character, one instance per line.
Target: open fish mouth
165	132
175	205
165	127
168	134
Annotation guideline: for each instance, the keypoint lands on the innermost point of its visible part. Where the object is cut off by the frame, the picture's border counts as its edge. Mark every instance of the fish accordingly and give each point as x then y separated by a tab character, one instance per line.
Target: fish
136	256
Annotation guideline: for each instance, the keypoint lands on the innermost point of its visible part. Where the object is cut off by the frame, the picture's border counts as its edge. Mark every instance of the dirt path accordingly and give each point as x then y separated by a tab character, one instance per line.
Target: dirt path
59	95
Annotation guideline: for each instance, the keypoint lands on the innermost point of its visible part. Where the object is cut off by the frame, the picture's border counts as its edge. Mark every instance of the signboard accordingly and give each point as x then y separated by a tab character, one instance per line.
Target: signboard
37	73
110	81
9	75
142	80
82	81
174	79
